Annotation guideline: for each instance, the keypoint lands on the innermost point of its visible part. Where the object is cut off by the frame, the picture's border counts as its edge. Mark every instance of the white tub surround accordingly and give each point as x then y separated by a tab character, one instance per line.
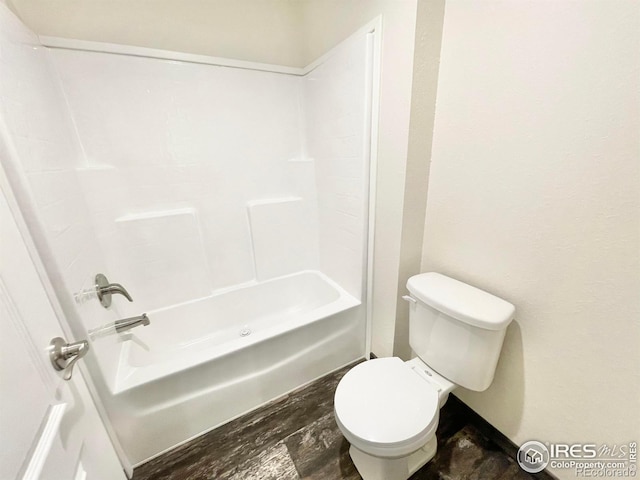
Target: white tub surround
273	168
230	201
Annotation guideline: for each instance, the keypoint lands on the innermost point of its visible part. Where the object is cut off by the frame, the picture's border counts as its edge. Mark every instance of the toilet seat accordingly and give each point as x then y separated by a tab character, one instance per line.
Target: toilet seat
384	408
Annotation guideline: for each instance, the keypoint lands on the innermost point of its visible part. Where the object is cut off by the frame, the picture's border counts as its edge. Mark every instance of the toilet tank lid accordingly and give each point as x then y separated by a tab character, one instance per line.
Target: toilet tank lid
461	301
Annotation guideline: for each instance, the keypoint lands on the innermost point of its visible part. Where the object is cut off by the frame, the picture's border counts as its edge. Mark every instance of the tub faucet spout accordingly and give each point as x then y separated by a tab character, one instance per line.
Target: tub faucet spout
131	322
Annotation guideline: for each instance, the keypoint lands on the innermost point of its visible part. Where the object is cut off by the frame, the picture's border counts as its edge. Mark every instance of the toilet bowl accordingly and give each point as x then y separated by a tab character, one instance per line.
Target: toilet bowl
388	409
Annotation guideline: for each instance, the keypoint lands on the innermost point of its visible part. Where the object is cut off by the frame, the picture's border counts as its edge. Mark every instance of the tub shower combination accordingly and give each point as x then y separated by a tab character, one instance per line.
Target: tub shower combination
230	203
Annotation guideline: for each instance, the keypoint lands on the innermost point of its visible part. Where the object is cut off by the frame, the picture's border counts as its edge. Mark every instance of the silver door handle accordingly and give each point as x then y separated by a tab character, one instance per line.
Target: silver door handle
64	355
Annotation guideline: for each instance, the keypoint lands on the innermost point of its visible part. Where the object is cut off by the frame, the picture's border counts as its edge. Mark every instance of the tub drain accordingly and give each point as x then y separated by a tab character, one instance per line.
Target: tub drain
244	331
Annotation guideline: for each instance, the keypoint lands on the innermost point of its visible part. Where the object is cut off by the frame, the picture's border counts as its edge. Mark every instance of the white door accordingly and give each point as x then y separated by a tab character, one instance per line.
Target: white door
49	428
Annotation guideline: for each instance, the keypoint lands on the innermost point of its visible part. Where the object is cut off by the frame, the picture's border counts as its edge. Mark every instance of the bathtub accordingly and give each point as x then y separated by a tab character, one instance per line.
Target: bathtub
204	362
185	335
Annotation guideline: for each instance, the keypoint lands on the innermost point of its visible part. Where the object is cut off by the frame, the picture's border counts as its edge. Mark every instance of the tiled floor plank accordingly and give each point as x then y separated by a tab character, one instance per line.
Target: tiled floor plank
320	452
271	464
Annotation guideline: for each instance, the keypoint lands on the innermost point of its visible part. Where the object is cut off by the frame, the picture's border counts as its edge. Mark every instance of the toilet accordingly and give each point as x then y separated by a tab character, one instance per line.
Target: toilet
389	409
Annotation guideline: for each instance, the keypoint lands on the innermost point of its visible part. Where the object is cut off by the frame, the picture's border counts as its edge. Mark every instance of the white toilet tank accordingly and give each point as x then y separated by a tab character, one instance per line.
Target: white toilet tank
457	329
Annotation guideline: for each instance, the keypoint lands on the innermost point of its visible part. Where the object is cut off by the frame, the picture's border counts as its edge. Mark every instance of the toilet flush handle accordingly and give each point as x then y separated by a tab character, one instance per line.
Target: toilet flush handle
409	299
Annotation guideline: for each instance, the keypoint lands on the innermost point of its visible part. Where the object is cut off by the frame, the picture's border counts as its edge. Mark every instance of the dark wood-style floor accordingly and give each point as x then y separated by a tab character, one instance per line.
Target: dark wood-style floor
295	437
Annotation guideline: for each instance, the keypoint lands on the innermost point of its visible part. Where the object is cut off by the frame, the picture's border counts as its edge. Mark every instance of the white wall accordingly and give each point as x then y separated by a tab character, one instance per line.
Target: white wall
325	24
534	195
266	31
337	125
429	21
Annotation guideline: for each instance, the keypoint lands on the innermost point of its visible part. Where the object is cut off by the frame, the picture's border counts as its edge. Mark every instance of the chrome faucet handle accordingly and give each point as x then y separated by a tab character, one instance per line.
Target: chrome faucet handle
104	290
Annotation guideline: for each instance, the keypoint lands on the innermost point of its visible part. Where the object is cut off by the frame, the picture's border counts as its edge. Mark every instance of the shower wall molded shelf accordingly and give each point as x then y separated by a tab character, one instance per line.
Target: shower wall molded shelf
284	235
